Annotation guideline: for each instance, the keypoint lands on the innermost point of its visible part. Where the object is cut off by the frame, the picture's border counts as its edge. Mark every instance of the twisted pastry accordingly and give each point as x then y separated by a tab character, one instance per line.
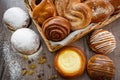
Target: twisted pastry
34	3
116	4
56	28
44	10
79	14
101	9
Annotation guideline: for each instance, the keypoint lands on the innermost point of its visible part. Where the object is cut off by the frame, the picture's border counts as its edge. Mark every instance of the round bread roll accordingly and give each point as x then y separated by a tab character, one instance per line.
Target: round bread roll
16	18
101	9
100	67
102	41
70	62
25	41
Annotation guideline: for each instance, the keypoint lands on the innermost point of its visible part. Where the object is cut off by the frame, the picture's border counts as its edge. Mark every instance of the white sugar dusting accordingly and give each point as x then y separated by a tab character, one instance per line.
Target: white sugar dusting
16	17
15	62
30	57
25	40
11	62
99	10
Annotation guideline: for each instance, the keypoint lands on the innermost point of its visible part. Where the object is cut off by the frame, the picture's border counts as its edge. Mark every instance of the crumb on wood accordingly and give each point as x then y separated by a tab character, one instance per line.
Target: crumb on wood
32	66
55	77
39	77
29	61
43	53
42	60
49	65
24	71
25	57
30	72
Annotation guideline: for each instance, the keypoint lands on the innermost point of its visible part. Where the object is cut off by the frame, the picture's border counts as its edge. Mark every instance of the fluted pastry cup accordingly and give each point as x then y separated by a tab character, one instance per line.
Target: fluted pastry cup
70	62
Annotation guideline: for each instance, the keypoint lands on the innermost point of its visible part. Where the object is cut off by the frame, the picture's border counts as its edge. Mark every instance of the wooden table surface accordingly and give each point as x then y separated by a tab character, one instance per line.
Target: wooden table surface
12	64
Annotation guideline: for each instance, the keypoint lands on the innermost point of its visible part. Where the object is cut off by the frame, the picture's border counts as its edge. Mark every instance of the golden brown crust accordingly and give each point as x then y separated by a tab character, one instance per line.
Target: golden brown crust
41	13
100	67
56	28
101	9
102	41
33	4
64	73
79	14
116	4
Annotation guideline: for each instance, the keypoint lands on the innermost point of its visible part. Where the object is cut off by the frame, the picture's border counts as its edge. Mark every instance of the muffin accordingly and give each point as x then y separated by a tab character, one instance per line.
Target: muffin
25	41
70	62
102	41
16	18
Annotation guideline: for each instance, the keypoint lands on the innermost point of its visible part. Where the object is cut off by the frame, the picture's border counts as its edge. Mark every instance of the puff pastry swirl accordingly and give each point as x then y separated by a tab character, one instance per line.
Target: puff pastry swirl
79	14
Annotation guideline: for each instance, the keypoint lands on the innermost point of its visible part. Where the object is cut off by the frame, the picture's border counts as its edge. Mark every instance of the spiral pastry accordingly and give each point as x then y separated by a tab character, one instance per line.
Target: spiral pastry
79	14
41	13
56	28
101	9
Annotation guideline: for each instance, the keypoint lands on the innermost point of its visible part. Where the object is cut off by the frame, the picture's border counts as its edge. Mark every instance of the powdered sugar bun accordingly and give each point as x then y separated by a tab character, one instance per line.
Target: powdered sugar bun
25	40
102	41
16	18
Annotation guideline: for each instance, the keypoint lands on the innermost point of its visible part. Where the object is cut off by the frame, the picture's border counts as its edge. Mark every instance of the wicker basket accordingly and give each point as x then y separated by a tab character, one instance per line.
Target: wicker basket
73	36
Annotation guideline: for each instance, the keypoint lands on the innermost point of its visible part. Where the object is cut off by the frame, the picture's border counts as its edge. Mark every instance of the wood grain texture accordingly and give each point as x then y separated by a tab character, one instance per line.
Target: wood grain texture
5	35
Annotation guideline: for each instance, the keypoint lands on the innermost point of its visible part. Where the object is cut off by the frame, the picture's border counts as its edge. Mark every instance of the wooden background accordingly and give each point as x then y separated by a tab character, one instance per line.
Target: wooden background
11	64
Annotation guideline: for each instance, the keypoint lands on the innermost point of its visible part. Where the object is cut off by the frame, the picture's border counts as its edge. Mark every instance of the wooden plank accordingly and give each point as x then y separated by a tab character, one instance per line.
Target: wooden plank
11	64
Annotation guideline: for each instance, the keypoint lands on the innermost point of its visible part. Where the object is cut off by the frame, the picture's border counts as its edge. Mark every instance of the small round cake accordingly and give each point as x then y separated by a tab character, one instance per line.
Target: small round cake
16	18
25	41
102	41
70	62
100	67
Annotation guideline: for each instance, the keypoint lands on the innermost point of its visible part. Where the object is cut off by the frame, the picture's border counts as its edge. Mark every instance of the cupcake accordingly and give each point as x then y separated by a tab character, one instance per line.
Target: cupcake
16	18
